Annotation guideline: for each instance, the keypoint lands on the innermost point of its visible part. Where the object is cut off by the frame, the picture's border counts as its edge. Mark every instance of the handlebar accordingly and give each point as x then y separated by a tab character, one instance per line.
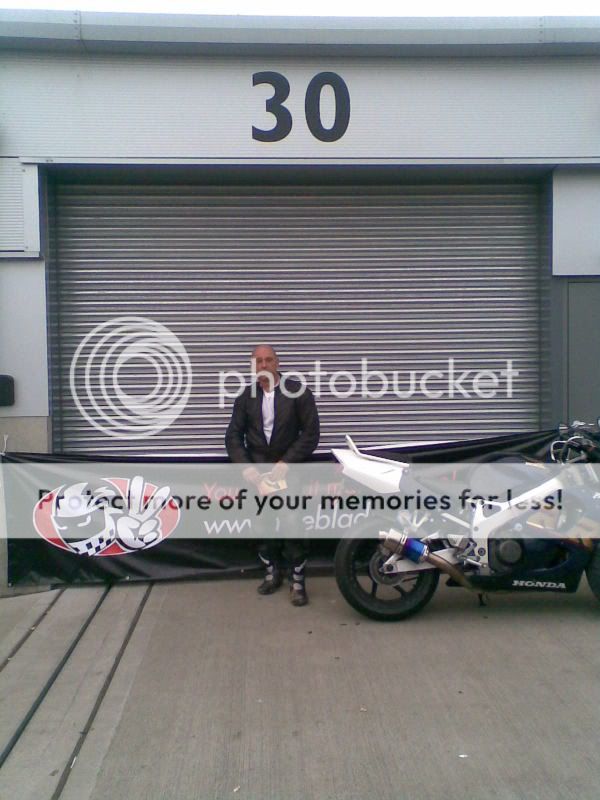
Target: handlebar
580	438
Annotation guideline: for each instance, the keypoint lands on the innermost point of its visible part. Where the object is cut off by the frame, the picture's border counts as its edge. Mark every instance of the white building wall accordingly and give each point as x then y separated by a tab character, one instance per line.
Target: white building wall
23	339
576	228
76	107
128	108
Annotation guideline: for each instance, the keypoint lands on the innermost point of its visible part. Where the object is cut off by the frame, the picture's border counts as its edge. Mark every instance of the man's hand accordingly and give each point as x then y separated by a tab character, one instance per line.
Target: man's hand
252	475
279	471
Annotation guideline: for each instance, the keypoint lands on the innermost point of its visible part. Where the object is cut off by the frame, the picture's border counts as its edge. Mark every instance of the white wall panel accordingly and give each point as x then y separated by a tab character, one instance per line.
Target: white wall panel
11	205
19	209
126	107
23	348
576	222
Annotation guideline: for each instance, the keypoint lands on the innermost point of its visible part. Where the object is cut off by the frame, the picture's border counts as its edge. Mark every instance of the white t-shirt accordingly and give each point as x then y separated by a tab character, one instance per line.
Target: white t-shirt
268	413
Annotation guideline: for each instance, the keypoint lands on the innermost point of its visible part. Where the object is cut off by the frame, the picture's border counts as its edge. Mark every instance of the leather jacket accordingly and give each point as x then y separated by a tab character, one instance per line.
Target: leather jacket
295	433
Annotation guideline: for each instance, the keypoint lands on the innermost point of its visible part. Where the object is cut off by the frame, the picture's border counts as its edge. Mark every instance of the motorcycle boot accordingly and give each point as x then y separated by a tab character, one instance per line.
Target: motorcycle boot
298	596
272	579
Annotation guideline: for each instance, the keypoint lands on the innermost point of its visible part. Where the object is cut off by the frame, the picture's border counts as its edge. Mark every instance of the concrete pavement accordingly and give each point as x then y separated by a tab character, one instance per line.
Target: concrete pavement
205	690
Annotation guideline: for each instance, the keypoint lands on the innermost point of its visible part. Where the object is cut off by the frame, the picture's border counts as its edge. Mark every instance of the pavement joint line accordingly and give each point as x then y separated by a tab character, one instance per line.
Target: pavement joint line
28	633
71	760
49	683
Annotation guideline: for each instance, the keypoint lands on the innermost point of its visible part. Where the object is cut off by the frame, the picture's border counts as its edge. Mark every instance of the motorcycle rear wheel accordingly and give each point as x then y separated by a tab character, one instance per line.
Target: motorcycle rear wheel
592	572
385	601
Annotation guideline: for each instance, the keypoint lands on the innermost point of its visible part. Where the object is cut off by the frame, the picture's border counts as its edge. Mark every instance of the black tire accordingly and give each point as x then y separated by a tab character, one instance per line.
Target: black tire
593	572
352	560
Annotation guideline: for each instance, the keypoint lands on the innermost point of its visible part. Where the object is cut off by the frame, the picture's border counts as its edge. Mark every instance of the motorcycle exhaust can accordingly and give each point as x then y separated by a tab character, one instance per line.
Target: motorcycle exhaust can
402	545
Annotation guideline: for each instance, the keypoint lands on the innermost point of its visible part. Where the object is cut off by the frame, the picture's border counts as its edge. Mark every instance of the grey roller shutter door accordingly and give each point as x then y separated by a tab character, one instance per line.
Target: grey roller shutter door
407	278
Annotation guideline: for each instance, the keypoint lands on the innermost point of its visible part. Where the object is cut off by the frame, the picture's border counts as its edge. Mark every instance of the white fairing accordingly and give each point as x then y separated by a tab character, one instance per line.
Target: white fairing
382	475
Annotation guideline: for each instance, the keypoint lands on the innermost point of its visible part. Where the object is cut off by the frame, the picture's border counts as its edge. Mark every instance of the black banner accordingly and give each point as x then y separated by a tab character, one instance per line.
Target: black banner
33	560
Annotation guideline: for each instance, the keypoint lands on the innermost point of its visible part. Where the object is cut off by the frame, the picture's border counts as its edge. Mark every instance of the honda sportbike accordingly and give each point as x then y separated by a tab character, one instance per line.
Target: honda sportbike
521	541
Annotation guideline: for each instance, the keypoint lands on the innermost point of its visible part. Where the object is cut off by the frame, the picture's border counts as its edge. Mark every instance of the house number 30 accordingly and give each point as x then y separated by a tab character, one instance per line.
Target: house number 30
312	107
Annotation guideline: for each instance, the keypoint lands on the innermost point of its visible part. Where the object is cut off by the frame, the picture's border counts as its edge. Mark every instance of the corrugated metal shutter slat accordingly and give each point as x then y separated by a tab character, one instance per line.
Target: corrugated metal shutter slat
406	277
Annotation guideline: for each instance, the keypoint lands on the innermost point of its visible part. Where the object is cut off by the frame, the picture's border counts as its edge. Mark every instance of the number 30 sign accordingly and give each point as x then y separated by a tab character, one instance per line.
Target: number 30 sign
312	107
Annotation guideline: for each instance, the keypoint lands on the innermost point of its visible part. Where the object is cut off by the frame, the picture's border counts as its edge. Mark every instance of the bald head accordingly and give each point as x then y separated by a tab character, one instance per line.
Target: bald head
265	364
263	347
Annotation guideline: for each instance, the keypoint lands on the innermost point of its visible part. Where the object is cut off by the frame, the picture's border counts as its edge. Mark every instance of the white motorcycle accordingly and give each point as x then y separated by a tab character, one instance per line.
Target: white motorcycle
390	571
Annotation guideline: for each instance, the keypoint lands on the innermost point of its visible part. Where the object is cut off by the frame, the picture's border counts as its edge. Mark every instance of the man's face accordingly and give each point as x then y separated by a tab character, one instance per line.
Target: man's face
266	364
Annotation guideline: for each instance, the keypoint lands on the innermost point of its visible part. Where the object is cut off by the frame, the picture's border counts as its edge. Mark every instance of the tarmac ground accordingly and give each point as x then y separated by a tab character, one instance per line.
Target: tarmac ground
206	690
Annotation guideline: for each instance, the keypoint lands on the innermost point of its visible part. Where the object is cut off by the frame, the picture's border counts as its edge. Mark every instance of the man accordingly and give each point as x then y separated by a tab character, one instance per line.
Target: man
274	421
